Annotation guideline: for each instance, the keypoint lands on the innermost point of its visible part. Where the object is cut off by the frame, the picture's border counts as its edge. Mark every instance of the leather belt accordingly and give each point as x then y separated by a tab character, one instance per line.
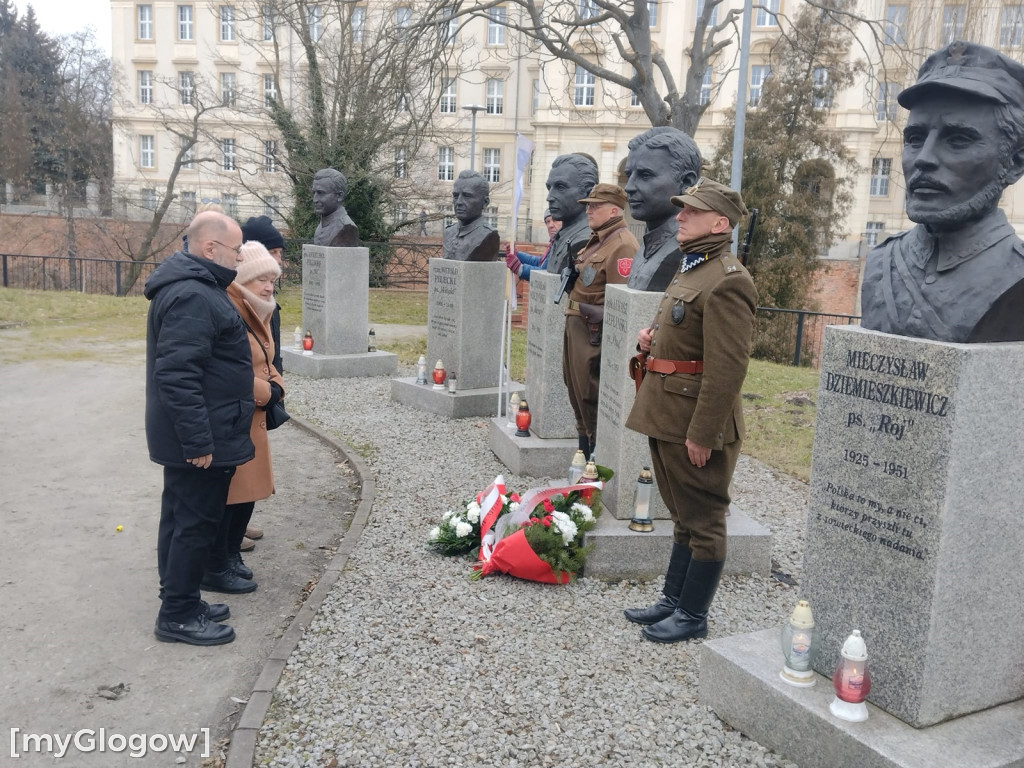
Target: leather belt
656	365
574	306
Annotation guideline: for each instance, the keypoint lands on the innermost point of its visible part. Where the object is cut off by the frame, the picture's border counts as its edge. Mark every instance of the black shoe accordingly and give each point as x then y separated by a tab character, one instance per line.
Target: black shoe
238	566
197	631
227	582
214	611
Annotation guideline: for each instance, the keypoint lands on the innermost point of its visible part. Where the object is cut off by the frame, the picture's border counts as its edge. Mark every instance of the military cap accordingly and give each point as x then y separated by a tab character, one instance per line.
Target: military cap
708	195
969	68
607	193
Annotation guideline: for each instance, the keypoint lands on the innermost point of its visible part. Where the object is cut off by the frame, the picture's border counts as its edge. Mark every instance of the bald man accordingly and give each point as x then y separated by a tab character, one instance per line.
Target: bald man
199	407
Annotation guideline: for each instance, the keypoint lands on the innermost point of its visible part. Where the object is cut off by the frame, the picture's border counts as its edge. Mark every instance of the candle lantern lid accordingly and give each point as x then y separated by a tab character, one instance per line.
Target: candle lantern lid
645	476
854	648
802	618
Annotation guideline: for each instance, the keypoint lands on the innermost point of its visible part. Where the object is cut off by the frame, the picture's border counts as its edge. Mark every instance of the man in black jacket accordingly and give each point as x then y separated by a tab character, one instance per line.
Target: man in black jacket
199	408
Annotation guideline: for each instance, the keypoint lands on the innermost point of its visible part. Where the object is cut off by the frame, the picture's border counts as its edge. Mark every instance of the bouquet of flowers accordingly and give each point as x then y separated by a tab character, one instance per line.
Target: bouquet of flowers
540	537
459	531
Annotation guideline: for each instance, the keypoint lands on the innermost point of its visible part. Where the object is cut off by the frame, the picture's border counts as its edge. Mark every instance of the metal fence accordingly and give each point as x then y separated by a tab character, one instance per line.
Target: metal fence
793	336
61	273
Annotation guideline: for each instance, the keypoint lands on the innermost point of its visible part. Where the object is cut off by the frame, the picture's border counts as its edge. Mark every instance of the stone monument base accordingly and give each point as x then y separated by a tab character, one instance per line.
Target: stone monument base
358	365
739	680
464	403
620	553
530	456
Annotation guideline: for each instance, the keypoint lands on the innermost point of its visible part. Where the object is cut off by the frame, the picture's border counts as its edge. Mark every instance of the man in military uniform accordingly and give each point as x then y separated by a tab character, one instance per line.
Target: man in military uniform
958	275
470	239
662	162
603	259
571	177
689	404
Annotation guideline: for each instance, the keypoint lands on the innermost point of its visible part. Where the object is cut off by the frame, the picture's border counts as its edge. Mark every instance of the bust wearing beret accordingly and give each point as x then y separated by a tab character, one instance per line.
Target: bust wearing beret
958	275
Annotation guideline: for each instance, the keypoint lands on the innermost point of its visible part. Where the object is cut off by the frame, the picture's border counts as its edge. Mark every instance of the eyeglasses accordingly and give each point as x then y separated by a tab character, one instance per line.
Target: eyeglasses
236	249
595	206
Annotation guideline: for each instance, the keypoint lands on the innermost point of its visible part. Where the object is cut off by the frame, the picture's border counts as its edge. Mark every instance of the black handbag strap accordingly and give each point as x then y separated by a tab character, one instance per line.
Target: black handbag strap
265	355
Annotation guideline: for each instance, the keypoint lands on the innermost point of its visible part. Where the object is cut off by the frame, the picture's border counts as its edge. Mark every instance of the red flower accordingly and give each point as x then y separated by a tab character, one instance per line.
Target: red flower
547	520
514	497
548	506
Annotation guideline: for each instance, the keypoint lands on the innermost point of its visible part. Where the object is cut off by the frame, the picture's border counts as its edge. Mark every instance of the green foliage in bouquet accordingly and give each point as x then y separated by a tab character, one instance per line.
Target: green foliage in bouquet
555	532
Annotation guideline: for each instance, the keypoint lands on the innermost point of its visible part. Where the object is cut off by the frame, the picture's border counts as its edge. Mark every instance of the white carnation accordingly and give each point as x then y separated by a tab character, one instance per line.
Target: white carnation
448	515
584	511
513	506
435	533
565	526
463	529
473	512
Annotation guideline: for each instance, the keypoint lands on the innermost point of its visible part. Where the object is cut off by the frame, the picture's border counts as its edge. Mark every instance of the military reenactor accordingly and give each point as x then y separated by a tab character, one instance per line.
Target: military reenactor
604	259
689	404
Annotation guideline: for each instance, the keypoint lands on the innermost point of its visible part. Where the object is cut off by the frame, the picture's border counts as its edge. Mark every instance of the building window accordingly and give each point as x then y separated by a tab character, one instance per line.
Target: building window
230	203
448	103
768	14
228	158
886	104
449	215
358	22
495	96
186	88
705	87
144	22
713	20
147	153
188	153
492	165
449	26
535	98
227	23
496	25
315	20
895	25
583	88
401	170
445	164
758	75
271	204
634	99
185	22
269	90
403	17
1011	26
149	199
270	155
145	86
188	203
587	9
652	13
227	89
269	22
881	169
953	17
491	216
822	91
871	232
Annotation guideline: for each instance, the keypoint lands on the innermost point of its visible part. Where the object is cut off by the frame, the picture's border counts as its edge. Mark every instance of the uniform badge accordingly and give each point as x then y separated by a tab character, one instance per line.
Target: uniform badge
588	274
678	310
624	266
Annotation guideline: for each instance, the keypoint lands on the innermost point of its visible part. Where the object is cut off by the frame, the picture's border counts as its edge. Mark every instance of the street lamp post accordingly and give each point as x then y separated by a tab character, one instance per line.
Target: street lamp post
474	108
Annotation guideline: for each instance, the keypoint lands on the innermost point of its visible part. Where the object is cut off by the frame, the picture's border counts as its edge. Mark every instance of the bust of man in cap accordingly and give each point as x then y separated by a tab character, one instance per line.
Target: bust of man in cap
958	275
336	229
662	163
470	239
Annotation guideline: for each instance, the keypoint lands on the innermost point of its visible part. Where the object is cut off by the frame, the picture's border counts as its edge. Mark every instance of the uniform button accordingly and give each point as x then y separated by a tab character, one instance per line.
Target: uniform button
659	310
674	282
653	342
929	279
686	389
657	326
665	296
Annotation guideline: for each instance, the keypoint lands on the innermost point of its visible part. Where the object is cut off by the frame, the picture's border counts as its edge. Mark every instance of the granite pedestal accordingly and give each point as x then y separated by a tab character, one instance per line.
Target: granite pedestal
531	456
463	404
335	302
620	553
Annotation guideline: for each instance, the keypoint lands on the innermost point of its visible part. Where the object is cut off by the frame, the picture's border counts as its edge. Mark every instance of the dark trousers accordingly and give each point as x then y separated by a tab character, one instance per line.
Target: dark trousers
697	497
581	371
191	511
229	536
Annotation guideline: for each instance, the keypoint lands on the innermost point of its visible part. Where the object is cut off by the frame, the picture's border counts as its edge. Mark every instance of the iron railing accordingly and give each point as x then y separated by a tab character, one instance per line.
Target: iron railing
61	273
793	336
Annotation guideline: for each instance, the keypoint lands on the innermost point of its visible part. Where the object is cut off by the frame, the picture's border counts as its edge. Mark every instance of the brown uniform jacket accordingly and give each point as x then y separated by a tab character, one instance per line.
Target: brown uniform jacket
718	300
598	263
254	480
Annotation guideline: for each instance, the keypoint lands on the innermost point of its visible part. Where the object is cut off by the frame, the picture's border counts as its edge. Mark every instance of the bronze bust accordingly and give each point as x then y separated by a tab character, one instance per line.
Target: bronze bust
470	239
958	275
570	180
663	162
336	229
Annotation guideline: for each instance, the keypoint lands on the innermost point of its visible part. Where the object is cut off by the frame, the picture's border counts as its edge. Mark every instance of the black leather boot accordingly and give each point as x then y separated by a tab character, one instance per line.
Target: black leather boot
690	618
227	582
674	578
236	564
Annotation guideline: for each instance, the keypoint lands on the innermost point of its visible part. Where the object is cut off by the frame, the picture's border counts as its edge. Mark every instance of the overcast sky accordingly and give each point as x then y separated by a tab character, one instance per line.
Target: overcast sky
62	17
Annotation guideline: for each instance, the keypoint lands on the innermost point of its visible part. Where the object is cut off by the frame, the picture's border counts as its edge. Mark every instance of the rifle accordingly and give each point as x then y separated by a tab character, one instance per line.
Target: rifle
745	248
569	271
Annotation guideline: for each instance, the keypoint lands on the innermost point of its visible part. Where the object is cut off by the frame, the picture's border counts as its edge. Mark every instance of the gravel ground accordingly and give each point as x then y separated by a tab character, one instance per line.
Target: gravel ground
408	663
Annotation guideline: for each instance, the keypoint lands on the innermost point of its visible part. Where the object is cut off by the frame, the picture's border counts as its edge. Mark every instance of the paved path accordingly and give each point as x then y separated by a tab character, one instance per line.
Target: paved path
79	598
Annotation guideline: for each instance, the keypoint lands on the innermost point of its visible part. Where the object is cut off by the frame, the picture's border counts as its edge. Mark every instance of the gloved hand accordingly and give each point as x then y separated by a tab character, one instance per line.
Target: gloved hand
276	394
512	261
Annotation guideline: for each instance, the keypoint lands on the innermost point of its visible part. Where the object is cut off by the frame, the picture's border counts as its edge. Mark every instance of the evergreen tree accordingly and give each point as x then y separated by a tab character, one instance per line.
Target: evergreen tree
796	169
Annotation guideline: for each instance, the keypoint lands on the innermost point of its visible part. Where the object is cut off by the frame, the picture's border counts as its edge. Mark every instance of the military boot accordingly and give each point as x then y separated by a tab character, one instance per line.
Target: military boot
674	578
690	618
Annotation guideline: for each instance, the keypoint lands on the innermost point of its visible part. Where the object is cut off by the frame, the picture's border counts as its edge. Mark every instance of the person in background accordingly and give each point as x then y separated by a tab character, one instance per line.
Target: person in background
522	263
252	293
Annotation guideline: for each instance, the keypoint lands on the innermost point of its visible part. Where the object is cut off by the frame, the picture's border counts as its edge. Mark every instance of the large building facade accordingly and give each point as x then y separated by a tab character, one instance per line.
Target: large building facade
213	69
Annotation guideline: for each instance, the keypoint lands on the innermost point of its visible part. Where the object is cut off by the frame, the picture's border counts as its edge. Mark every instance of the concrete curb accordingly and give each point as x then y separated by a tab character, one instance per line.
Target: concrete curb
242	750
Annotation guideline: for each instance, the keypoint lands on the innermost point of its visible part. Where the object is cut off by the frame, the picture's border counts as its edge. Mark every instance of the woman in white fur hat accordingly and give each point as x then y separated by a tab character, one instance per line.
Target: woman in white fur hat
252	293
